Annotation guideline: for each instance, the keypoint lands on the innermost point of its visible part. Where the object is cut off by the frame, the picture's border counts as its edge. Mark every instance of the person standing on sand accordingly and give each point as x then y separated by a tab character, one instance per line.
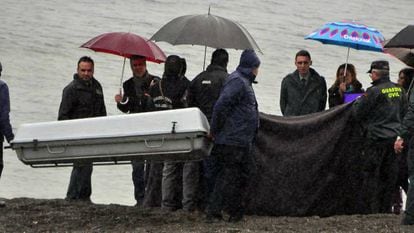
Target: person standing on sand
405	80
180	180
203	93
405	141
6	130
234	125
380	111
136	99
82	98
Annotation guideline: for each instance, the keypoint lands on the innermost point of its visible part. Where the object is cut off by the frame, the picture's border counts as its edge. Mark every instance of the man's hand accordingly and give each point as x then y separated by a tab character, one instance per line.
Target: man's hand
210	137
398	145
153	82
118	98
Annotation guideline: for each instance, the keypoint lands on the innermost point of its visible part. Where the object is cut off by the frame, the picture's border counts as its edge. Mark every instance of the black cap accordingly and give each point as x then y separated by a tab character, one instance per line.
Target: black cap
379	65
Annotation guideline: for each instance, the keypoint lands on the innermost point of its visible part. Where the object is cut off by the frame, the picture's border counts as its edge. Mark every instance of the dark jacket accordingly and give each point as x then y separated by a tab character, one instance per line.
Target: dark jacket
235	117
407	127
82	99
335	97
296	100
205	89
173	94
5	126
381	110
136	99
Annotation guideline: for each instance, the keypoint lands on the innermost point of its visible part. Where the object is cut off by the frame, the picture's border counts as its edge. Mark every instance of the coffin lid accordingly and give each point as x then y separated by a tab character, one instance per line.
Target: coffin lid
150	123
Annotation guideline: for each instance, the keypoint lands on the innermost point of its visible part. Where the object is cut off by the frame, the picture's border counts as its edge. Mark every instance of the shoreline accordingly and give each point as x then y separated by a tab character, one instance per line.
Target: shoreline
58	215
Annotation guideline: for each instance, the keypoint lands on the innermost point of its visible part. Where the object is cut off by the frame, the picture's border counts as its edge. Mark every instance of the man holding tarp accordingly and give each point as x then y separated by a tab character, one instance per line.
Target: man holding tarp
234	125
380	111
407	131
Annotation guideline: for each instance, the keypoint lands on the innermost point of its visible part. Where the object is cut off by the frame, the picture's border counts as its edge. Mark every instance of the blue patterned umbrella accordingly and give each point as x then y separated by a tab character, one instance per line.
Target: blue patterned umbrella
349	34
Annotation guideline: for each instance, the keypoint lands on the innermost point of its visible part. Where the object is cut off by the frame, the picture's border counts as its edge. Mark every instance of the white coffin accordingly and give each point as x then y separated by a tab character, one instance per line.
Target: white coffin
159	136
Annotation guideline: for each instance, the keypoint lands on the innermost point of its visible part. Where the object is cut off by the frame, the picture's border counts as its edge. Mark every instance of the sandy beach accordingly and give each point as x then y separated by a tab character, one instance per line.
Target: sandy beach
58	215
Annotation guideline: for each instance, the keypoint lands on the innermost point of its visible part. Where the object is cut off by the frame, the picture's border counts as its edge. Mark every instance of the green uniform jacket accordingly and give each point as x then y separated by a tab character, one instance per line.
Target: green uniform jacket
381	110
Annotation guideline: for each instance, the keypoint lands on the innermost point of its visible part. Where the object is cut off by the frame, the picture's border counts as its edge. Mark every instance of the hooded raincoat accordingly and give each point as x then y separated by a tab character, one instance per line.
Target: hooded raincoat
235	118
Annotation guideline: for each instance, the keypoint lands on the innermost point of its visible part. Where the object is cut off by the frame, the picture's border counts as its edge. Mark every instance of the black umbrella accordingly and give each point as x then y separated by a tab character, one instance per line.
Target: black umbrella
207	30
403	39
403	54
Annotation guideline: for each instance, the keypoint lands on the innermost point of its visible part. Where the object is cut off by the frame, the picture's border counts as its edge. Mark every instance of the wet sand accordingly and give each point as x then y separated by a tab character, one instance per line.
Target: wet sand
57	215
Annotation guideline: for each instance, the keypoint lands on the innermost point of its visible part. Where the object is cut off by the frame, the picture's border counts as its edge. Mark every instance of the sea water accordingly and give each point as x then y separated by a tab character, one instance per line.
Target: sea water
39	49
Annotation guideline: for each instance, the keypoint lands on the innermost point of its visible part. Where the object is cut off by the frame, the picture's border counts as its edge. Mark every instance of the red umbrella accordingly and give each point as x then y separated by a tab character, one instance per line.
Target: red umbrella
125	44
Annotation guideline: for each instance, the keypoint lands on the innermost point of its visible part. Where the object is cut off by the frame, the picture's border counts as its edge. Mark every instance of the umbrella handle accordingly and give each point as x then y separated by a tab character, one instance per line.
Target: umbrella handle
346	63
205	54
124	102
121	92
122	75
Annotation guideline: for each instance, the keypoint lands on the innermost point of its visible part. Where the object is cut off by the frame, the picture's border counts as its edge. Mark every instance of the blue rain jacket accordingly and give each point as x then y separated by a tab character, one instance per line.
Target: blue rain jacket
235	119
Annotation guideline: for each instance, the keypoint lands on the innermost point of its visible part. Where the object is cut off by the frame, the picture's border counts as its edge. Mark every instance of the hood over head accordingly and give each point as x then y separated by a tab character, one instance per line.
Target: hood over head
248	62
173	66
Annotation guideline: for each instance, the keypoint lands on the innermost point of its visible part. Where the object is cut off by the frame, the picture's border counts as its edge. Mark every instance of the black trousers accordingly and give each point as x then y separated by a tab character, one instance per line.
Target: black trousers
80	185
409	208
380	171
209	172
138	178
152	197
234	167
402	177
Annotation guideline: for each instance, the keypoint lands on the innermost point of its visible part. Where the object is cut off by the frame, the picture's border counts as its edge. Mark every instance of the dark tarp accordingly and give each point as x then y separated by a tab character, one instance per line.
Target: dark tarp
307	165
